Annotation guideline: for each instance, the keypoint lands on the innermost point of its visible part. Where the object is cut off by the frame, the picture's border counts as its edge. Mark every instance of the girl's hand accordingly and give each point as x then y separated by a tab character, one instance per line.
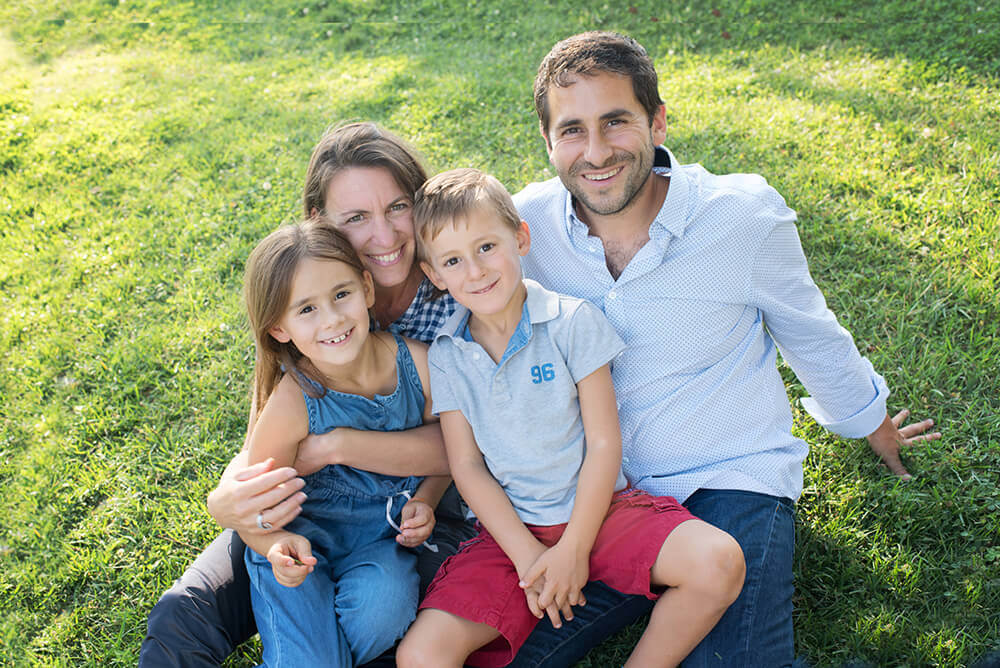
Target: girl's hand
416	523
291	560
244	491
554	582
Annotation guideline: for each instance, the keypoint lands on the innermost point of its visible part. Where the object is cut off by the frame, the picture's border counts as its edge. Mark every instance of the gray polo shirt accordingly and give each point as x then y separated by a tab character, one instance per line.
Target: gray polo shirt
525	411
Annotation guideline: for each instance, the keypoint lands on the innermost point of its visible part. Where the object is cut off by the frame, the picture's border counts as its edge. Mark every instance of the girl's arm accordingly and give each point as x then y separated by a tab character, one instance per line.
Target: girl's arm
565	566
245	490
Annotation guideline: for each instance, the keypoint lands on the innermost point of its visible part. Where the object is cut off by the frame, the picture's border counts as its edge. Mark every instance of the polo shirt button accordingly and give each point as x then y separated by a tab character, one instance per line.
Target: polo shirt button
475	356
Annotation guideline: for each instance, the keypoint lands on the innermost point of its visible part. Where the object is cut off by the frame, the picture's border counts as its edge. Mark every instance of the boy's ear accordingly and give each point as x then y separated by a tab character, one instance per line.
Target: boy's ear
279	334
523	237
368	285
434	277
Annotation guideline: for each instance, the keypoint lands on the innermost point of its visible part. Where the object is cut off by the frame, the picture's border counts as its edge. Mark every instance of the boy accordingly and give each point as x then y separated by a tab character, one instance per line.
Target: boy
520	377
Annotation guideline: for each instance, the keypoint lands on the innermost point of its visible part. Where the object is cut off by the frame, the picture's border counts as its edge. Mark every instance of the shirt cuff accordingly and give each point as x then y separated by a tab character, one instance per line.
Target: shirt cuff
863	422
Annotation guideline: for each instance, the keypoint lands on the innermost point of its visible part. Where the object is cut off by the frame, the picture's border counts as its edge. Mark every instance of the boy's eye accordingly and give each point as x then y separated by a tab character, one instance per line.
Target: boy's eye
450	262
488	246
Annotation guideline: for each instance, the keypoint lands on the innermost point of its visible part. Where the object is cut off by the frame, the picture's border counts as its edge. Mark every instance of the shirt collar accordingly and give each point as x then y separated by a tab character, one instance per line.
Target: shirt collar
541	305
672	216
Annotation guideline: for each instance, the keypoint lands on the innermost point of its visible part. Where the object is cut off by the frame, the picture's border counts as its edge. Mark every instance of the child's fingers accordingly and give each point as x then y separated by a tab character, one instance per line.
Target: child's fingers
553	613
532	598
533	573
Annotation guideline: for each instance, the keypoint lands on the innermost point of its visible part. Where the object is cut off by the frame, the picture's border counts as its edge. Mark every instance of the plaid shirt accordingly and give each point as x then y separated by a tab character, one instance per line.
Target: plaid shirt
424	317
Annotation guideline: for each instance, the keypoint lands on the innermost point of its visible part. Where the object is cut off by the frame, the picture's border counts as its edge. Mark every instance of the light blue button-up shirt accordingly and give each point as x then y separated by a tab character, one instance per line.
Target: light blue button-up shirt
703	307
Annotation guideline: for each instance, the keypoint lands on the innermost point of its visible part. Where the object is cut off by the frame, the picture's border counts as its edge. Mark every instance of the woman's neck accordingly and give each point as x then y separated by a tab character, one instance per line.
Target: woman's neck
392	302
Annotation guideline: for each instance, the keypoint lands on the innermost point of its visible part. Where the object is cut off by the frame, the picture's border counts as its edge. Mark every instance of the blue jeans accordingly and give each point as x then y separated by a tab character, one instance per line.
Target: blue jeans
756	630
362	594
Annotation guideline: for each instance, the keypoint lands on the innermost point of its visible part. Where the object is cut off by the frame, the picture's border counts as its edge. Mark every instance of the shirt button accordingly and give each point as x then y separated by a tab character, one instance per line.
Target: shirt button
475	356
625	460
612	294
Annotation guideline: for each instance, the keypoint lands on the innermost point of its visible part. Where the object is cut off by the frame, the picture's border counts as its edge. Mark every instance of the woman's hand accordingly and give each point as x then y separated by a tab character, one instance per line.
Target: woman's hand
244	492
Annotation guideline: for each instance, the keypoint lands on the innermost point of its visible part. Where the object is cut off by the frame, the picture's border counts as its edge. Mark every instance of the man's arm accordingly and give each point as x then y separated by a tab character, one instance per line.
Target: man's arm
847	396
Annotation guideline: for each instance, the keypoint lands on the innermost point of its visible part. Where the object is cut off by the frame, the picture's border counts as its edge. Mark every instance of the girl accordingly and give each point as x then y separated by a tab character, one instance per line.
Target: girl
349	588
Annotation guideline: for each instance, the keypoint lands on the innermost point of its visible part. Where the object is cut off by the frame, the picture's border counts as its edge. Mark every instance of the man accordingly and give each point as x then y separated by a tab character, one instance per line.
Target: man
704	278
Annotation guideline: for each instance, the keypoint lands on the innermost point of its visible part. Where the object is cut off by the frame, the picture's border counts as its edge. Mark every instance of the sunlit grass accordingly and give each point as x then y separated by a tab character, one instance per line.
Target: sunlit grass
144	148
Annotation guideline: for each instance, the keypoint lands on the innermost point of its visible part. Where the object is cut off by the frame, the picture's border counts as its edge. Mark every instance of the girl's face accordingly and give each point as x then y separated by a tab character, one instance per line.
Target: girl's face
372	211
327	313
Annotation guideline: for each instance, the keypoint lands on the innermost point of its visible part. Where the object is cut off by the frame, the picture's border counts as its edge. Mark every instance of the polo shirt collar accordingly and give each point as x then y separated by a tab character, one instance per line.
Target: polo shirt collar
673	215
541	305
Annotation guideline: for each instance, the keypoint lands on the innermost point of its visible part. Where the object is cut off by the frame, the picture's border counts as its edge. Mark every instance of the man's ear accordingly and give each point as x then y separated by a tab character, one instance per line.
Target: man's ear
523	237
545	138
279	334
434	277
658	128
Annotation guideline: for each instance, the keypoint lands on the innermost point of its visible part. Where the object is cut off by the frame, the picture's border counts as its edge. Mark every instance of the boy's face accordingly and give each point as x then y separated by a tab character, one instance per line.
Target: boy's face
477	259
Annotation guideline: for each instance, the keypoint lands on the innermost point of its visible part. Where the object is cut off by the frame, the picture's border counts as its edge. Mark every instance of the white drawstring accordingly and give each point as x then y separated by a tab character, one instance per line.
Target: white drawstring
388	516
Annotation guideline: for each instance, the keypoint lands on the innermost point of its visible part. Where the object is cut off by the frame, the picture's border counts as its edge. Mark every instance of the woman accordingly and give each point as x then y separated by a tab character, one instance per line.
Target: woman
362	179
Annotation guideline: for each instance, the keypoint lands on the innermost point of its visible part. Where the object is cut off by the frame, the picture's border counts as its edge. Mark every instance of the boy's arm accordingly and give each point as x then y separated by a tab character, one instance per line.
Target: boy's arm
484	495
566	565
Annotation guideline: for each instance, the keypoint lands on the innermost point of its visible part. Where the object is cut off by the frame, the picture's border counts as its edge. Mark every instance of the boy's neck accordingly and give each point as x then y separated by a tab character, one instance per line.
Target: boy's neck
493	331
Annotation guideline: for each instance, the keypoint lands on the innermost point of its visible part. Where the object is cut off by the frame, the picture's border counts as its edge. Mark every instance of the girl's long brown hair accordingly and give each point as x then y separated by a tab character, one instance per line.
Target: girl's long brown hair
267	286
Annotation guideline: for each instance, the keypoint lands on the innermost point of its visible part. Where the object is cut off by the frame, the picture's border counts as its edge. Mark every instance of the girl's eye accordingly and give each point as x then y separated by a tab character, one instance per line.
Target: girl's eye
306	309
341	294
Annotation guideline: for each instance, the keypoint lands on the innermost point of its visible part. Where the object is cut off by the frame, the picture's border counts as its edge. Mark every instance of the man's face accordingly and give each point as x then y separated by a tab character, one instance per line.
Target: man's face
600	141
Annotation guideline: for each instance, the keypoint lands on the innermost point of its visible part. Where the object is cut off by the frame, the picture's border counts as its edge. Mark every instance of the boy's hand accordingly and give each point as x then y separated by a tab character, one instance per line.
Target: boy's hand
416	523
554	582
291	560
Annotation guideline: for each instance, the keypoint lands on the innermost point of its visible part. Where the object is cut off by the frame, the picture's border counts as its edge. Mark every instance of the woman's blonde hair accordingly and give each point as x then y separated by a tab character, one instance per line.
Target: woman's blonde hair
267	286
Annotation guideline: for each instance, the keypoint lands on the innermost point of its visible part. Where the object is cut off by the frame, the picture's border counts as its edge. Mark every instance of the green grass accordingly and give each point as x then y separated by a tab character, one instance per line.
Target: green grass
144	148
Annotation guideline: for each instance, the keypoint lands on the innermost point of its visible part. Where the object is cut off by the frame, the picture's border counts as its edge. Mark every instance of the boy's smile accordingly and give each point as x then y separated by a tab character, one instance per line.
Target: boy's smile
477	259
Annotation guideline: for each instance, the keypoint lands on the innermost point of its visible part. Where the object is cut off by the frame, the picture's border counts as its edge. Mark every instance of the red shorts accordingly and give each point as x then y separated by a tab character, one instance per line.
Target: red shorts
479	583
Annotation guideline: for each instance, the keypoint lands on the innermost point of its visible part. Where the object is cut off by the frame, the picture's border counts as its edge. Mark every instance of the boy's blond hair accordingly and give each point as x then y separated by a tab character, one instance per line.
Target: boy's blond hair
455	194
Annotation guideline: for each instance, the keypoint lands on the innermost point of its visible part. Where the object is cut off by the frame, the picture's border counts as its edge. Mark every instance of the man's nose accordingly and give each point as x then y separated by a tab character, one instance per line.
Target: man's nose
598	149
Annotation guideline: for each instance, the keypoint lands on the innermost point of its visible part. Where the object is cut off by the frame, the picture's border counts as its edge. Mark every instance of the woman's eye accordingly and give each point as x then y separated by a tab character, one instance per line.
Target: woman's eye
400	206
356	218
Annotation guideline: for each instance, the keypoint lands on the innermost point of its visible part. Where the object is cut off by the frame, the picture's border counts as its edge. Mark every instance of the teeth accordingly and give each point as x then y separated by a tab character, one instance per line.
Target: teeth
338	339
602	177
388	258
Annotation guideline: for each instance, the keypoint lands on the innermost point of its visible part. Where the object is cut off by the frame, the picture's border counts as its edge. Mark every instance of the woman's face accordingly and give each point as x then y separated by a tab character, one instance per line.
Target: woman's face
374	213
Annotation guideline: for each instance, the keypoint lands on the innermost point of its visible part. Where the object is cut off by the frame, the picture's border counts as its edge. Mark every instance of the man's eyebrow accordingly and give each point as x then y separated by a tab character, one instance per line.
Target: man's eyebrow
606	116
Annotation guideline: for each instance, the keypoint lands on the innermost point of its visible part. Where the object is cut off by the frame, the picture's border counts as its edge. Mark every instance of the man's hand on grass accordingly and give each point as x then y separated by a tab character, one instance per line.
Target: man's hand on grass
890	436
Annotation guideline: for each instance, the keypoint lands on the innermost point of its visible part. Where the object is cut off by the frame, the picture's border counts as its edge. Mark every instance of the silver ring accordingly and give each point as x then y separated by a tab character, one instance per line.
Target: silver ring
261	524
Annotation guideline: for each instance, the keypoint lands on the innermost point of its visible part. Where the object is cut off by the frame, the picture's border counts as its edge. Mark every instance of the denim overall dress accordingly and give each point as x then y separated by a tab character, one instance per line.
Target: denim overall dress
362	595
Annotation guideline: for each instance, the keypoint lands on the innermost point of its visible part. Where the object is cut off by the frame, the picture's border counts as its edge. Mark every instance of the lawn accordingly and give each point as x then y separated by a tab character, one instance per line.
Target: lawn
145	148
